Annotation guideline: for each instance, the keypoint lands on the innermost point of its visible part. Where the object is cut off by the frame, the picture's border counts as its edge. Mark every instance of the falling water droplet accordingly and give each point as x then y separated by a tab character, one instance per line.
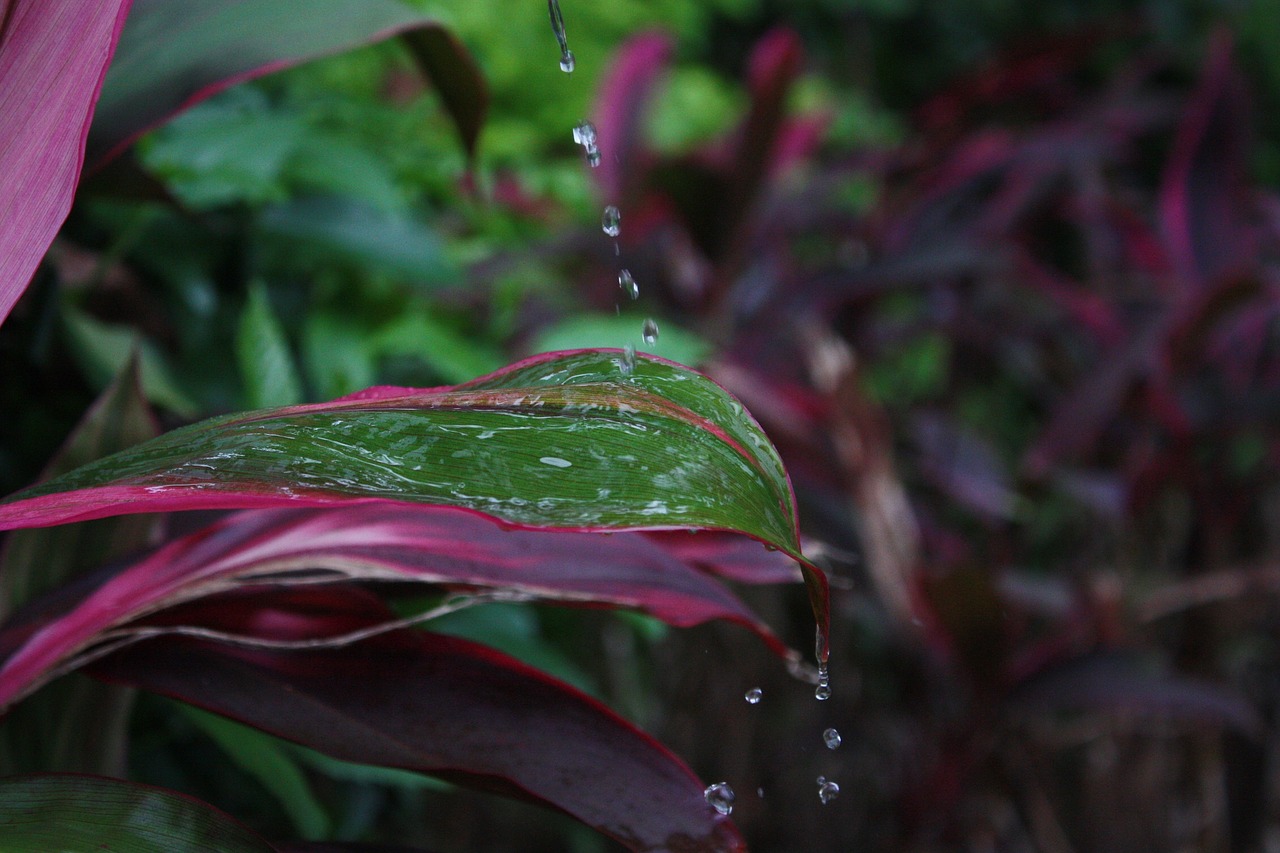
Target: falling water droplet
628	359
720	796
584	133
827	791
593	157
831	738
567	61
753	696
650	332
823	691
557	27
612	221
627	283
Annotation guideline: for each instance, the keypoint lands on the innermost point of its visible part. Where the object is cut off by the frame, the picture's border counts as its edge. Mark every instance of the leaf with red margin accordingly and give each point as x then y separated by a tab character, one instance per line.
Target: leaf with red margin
437	705
174	54
386	542
561	440
71	812
53	55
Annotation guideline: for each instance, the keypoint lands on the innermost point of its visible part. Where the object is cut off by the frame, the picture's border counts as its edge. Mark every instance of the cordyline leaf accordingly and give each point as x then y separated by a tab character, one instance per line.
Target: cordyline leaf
382	542
53	55
439	705
624	96
173	54
68	812
456	76
561	440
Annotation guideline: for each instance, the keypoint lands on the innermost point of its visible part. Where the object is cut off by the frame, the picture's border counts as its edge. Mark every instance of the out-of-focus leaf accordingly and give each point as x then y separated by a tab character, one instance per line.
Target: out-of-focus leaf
172	55
104	349
39	814
440	705
561	440
457	78
731	557
609	330
344	231
386	542
76	725
265	759
619	111
266	364
1120	682
337	355
455	356
53	55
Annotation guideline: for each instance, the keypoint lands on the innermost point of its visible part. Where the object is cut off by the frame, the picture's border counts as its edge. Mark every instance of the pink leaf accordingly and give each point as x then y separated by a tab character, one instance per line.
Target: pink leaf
53	56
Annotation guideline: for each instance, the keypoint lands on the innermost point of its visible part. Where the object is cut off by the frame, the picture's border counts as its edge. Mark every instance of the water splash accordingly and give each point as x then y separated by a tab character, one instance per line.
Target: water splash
567	62
611	222
628	283
650	332
753	696
720	796
831	738
628	363
827	791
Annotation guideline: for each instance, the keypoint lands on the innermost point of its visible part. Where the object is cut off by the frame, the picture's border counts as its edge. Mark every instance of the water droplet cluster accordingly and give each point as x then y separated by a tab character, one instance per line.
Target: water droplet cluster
827	791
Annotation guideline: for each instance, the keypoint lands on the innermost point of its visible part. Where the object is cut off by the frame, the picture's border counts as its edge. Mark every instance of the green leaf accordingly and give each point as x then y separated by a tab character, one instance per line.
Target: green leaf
40	814
271	762
266	364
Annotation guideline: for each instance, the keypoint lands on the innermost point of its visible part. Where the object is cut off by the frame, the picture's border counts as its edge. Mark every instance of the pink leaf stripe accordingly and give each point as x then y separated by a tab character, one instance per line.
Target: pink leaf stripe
53	56
393	542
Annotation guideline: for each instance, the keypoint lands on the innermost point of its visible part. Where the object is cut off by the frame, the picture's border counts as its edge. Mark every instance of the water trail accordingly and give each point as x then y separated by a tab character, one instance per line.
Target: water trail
567	62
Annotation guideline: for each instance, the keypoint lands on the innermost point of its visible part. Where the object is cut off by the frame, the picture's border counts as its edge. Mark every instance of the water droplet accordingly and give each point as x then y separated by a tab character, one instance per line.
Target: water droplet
567	61
612	221
827	791
556	462
823	690
627	283
593	157
584	133
650	332
720	796
760	793
831	738
557	27
753	696
628	359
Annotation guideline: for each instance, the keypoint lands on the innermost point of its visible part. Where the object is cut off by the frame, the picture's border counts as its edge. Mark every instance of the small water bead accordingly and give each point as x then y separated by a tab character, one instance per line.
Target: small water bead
753	696
831	738
827	791
627	283
611	223
584	133
593	157
720	796
650	332
568	62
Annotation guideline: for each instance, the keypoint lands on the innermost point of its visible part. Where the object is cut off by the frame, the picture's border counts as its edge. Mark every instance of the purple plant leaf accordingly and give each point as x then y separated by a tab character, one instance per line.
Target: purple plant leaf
437	705
53	55
561	440
624	95
173	55
387	542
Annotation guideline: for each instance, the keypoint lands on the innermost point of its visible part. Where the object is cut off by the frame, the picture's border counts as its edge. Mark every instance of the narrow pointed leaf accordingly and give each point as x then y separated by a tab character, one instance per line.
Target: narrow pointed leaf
562	440
173	54
39	814
457	78
53	55
383	542
444	706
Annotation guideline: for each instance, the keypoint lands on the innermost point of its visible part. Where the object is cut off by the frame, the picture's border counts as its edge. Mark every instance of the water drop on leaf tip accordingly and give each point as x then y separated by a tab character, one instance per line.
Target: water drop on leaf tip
568	62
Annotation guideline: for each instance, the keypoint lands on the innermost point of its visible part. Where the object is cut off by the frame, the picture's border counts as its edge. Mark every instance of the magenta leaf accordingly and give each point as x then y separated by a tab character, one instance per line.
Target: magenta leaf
562	440
438	705
386	542
53	55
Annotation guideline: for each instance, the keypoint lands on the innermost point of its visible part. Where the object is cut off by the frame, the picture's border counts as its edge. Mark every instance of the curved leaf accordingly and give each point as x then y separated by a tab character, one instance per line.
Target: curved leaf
561	440
439	705
383	542
67	812
53	55
173	54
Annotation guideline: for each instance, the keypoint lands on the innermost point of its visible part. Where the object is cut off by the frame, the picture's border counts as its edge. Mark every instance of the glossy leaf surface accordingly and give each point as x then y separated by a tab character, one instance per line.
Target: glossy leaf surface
439	705
39	814
385	542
